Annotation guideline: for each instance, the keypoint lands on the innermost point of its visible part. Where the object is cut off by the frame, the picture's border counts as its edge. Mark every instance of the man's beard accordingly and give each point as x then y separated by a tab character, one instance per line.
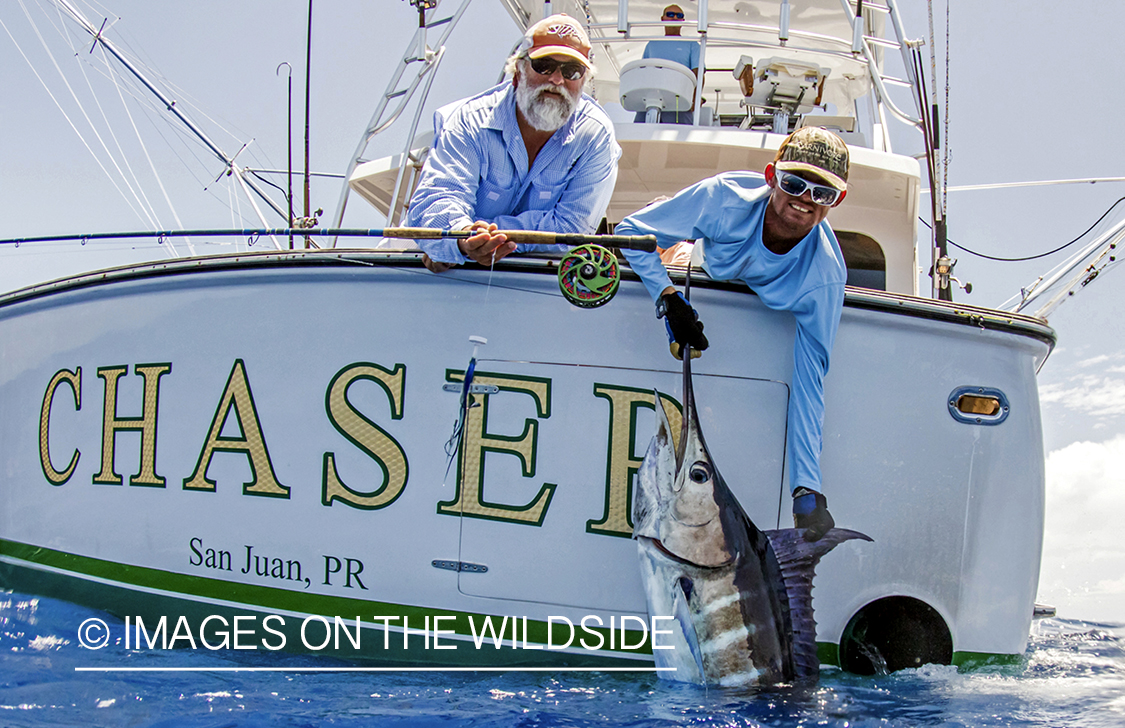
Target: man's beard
544	109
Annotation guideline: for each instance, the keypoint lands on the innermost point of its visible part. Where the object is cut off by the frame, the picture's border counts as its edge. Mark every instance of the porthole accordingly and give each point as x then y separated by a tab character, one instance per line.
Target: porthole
978	405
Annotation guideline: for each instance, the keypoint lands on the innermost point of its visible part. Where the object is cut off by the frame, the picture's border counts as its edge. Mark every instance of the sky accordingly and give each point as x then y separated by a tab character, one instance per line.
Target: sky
1032	96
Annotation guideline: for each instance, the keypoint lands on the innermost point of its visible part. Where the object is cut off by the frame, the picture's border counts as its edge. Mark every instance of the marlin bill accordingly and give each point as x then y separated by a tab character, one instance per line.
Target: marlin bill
741	598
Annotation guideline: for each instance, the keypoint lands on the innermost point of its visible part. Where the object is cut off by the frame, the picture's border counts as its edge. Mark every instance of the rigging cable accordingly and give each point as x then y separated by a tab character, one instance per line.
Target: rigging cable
271	184
1038	255
62	110
135	196
124	157
137	193
148	157
151	210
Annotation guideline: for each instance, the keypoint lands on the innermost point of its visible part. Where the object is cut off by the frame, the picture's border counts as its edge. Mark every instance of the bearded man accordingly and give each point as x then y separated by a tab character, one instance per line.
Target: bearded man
532	154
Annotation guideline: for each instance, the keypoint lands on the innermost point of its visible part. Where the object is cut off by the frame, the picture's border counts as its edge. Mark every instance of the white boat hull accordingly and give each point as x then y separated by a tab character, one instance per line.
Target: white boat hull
292	457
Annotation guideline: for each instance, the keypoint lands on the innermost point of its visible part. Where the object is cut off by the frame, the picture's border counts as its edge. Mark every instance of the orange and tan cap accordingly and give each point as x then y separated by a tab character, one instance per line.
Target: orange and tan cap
559	35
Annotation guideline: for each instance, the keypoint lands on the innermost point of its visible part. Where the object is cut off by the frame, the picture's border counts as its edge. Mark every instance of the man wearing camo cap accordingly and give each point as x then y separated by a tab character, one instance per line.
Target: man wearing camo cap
534	153
774	238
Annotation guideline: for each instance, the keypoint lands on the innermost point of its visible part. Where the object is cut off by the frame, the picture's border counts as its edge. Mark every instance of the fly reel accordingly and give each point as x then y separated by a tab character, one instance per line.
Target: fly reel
588	276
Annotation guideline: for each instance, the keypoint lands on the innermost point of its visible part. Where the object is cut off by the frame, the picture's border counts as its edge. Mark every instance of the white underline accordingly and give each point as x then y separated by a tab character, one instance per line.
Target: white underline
374	669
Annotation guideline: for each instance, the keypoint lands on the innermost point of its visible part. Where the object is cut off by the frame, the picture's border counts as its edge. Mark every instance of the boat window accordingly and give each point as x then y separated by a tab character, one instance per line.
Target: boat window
867	266
974	405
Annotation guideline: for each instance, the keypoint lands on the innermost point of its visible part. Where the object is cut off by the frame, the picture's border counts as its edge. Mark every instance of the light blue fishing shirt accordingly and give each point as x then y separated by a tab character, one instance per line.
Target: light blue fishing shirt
725	213
477	170
684	52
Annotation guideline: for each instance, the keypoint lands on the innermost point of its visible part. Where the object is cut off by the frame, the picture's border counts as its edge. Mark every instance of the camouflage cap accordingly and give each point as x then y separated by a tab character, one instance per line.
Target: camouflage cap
557	35
816	150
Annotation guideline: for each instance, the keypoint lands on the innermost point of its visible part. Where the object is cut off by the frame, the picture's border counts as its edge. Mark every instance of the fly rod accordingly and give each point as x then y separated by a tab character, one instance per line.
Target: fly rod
532	237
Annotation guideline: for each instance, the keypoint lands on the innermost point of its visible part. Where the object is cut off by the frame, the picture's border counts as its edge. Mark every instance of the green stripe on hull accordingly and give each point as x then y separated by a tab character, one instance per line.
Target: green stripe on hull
185	595
828	653
976	660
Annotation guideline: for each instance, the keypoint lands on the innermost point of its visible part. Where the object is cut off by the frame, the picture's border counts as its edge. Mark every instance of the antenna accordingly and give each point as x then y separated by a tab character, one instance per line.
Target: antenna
307	221
289	147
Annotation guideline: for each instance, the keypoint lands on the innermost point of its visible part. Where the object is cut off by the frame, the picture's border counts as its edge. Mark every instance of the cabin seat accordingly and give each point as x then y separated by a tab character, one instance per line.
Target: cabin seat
787	85
653	85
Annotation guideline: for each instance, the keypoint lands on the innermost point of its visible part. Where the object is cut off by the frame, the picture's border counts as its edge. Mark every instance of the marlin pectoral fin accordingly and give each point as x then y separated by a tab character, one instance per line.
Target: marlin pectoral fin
681	610
798	559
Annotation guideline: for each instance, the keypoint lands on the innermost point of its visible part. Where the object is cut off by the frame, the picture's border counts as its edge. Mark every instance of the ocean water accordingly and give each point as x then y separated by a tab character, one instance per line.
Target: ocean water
1073	674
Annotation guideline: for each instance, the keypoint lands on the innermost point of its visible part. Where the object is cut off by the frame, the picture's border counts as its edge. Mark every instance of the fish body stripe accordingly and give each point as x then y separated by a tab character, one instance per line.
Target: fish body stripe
740	679
720	603
724	640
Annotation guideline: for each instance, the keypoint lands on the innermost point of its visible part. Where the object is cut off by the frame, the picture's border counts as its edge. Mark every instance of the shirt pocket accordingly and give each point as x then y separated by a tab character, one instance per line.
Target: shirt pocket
546	191
494	197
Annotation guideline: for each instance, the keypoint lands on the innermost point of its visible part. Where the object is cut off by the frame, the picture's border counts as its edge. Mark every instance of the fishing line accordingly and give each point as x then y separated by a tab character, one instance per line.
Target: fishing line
230	204
491	268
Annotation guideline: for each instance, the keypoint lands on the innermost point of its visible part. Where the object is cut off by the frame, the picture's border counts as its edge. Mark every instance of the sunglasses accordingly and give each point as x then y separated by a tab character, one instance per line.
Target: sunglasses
571	71
673	16
793	185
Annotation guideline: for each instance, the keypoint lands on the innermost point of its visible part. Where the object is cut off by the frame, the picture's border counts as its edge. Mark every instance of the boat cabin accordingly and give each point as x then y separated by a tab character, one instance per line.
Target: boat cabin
765	69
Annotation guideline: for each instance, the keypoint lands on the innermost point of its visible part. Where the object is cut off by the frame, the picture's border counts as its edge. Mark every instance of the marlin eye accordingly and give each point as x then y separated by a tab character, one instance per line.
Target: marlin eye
700	472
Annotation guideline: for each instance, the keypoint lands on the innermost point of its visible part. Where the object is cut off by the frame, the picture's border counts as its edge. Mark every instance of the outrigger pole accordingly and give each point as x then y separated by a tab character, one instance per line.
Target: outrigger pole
531	237
170	104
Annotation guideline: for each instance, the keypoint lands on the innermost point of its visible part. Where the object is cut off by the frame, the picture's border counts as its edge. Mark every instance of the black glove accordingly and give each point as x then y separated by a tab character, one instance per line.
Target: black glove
810	512
682	323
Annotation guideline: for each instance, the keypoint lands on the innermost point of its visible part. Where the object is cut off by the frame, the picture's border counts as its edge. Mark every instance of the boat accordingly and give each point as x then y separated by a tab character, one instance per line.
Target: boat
207	470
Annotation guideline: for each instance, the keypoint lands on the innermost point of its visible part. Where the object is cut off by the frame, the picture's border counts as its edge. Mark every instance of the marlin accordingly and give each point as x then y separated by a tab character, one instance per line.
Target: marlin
740	598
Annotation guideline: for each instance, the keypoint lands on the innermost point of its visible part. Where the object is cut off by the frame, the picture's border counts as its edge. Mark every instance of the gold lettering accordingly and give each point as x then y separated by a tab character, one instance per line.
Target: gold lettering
622	459
469	500
74	379
250	442
146	424
367	436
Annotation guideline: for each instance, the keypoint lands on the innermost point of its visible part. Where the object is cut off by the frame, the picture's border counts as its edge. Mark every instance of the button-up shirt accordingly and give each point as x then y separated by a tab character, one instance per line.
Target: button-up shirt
478	170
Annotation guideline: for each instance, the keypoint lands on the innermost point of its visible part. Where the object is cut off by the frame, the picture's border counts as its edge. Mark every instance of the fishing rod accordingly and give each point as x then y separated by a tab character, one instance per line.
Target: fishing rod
531	237
588	274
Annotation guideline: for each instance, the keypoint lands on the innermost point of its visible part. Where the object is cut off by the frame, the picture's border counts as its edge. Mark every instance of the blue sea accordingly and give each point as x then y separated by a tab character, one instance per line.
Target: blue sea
1073	674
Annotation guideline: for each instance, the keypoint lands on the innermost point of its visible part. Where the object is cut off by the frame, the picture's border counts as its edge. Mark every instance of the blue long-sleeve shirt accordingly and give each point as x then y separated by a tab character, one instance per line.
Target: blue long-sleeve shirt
725	214
684	52
478	170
